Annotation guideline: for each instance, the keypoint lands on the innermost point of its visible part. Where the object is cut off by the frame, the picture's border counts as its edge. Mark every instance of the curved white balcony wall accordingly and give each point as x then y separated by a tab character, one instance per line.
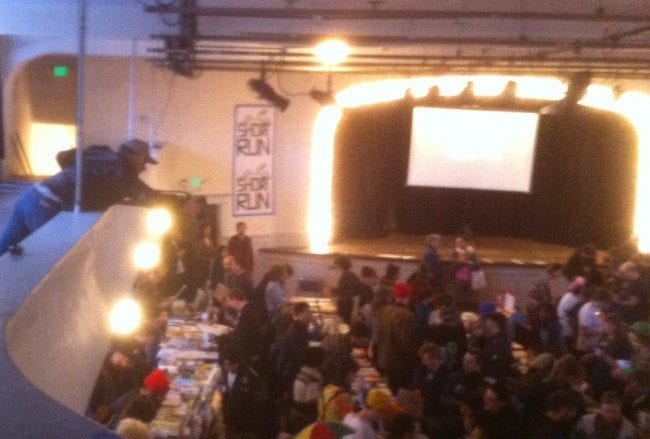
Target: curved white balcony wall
59	292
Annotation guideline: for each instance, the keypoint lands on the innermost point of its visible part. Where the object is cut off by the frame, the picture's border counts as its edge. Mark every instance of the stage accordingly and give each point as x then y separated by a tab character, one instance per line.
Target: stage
491	249
510	264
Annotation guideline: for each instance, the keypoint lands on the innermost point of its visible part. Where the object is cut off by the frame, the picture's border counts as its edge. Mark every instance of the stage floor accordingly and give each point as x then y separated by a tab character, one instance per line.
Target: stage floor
491	249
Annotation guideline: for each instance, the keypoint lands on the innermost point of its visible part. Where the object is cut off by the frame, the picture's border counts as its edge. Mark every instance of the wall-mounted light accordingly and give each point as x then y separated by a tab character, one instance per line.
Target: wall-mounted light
125	316
159	221
146	255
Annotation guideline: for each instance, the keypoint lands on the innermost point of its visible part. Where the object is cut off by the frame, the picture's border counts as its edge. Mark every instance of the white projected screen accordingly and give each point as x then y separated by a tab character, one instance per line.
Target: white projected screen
472	149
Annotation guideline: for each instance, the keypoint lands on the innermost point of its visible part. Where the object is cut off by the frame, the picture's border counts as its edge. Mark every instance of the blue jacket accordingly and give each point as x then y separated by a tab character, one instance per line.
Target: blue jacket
106	179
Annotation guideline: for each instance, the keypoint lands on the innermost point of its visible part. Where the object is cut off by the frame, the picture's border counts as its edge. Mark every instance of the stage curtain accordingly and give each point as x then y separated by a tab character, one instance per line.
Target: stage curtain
583	187
585	178
370	157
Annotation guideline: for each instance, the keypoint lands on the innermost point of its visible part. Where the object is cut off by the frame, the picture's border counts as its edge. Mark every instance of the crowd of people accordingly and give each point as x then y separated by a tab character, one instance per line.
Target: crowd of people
581	366
581	338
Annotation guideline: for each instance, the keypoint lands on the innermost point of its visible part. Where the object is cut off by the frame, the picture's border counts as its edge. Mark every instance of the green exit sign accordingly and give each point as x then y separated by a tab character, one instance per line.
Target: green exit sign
195	182
61	71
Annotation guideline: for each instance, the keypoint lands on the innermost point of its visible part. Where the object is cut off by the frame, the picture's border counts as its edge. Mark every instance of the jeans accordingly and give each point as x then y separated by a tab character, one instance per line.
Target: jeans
31	211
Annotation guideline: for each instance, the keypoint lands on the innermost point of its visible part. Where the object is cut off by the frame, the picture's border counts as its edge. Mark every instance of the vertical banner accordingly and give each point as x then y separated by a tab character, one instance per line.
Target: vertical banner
253	160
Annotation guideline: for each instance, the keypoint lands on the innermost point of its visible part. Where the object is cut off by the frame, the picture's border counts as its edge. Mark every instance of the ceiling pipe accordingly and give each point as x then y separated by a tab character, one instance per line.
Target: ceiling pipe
364	40
442	70
602	69
375	59
369	58
598	15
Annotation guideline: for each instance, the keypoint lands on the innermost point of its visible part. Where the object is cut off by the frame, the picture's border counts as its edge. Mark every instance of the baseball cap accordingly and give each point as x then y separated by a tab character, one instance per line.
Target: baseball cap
139	147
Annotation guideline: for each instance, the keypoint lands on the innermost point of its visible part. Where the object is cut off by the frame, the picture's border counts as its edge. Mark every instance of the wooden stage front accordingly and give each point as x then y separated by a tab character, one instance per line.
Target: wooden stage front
491	249
510	264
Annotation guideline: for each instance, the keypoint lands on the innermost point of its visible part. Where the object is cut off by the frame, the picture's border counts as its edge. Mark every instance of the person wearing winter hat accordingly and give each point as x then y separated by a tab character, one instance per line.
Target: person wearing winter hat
156	384
402	292
486	308
141	403
396	339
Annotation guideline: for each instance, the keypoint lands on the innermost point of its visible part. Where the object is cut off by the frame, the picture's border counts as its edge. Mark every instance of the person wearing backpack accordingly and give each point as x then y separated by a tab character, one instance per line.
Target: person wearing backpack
108	177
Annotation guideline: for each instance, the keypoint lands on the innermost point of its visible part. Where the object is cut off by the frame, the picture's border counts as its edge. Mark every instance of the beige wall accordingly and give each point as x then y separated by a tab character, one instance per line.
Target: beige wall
193	120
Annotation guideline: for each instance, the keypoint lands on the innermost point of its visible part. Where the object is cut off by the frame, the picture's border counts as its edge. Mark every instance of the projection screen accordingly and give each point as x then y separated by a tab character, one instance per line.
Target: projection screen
472	149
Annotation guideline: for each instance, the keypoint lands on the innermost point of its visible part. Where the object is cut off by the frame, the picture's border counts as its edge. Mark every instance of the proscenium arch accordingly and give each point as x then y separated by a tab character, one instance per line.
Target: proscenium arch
630	104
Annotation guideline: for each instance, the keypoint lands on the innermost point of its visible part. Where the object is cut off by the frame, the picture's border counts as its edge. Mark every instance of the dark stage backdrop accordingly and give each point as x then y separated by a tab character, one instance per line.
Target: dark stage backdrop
583	187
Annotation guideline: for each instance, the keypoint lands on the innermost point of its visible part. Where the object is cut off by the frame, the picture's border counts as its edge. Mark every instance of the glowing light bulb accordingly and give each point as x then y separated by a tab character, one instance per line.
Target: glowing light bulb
146	255
125	316
332	52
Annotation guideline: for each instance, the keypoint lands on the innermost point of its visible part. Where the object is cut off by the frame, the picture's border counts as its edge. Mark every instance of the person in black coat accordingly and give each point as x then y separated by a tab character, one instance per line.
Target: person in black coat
348	287
436	382
289	351
246	409
560	418
431	263
247	332
496	354
498	418
240	279
116	377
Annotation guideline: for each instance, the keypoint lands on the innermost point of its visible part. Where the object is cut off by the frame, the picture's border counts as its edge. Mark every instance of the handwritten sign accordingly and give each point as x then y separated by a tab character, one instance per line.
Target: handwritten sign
253	160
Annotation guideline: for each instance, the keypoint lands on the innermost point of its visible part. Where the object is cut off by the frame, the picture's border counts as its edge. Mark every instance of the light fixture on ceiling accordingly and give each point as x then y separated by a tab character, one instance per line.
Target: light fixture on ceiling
577	88
578	83
468	91
324	97
431	96
617	91
332	52
266	92
180	55
509	91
